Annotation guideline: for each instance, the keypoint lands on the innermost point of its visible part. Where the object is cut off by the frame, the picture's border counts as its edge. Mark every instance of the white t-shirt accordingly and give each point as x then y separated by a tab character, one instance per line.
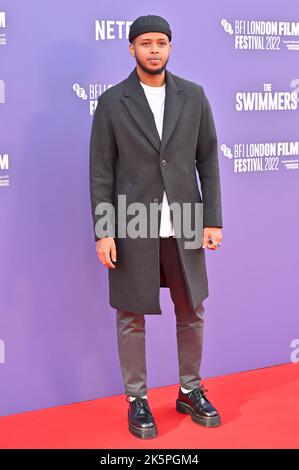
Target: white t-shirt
156	98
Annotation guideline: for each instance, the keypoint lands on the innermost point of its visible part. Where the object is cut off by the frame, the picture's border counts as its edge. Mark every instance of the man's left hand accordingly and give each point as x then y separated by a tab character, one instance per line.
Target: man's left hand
211	237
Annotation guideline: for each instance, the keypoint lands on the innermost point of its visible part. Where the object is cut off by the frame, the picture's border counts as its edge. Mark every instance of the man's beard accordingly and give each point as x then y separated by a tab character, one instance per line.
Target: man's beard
151	71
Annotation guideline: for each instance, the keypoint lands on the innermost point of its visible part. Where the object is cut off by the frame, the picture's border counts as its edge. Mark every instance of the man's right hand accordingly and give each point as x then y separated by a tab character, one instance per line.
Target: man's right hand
105	247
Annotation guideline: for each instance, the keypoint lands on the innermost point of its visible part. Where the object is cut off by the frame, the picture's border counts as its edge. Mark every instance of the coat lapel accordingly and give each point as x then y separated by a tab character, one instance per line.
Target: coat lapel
136	102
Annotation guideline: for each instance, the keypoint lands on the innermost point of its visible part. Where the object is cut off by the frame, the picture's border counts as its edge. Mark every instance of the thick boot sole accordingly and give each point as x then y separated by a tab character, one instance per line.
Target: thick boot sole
143	433
208	421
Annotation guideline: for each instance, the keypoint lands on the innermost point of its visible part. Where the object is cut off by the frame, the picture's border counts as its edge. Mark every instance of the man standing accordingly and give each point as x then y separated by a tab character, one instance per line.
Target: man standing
150	134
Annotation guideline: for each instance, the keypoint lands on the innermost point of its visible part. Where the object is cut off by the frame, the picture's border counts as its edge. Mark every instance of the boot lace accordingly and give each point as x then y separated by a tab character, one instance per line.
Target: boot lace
199	392
140	402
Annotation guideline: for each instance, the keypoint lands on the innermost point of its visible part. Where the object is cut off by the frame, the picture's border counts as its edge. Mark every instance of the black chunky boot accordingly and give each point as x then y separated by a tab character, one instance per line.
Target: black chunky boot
140	419
196	404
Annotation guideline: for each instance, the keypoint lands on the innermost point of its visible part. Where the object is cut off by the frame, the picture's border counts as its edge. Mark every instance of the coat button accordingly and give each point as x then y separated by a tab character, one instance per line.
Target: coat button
163	162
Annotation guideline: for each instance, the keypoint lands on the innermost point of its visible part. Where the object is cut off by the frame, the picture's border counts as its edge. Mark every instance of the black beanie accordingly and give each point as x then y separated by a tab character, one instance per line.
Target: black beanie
147	24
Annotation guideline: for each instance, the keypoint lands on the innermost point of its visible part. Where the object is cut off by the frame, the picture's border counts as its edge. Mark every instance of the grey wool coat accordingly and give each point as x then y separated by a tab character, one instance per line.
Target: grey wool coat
127	157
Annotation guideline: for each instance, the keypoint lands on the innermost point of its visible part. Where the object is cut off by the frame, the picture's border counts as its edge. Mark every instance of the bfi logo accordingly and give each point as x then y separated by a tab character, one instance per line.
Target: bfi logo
4	163
2	19
110	29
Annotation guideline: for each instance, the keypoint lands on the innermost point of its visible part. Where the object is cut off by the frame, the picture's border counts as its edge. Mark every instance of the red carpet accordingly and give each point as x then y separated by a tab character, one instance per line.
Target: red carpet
259	409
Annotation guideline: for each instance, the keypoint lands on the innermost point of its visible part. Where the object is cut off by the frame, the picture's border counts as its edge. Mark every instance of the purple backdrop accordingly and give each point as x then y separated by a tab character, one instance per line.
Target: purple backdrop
57	330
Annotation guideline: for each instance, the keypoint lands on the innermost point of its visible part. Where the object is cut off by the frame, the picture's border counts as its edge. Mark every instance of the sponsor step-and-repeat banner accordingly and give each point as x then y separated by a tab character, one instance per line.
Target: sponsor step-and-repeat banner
57	329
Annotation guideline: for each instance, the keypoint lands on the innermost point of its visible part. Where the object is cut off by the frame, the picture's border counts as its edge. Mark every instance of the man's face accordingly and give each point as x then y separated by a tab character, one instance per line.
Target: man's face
151	51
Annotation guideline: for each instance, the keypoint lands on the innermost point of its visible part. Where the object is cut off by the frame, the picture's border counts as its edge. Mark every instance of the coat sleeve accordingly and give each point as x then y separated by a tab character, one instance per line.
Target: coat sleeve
102	155
208	167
